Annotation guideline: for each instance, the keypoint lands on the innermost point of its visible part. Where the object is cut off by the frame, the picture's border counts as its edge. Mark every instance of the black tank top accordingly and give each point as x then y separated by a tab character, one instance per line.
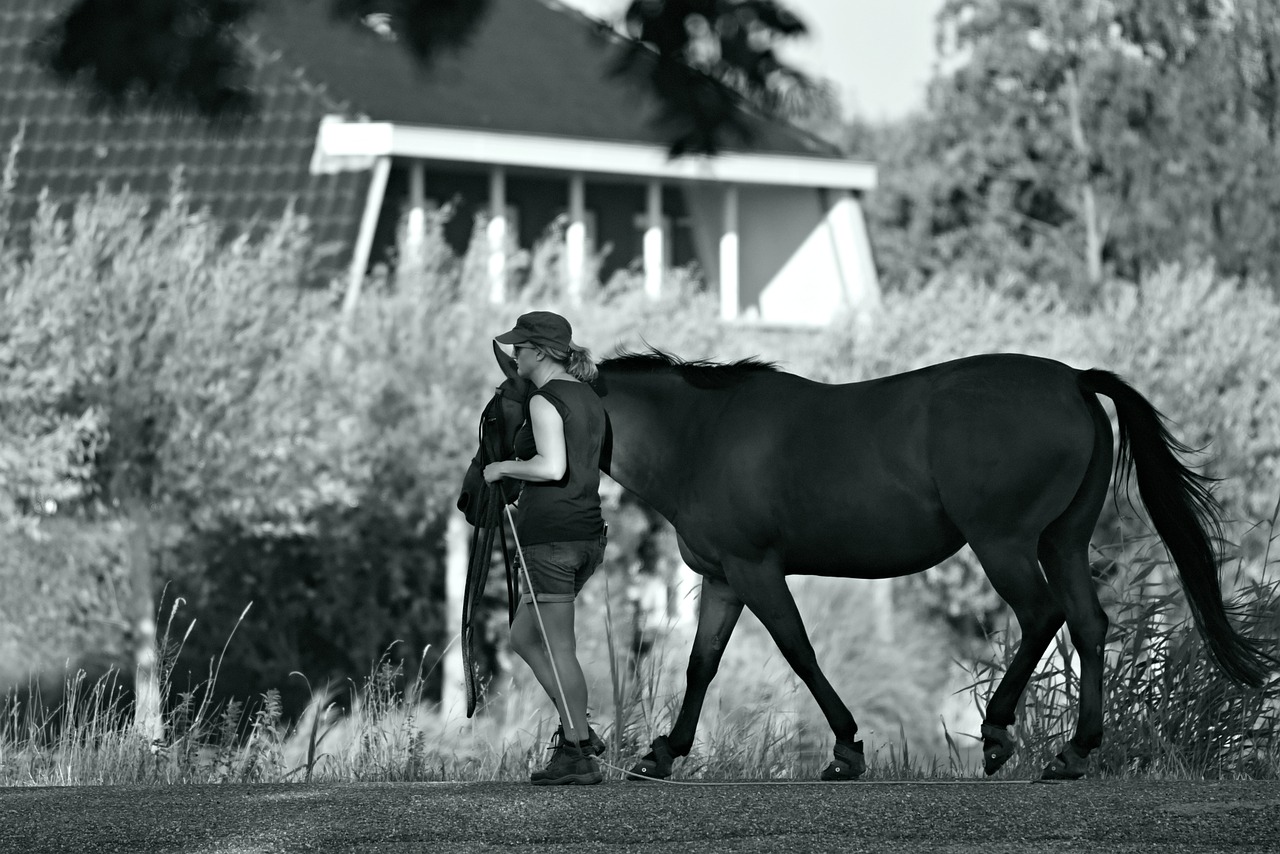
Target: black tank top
567	509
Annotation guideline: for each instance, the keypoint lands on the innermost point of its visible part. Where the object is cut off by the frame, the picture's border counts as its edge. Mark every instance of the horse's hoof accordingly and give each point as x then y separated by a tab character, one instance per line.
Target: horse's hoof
654	765
997	747
849	763
1070	764
646	769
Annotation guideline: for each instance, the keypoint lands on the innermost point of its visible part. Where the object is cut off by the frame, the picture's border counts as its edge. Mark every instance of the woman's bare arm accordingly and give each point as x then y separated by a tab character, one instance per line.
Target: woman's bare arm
551	461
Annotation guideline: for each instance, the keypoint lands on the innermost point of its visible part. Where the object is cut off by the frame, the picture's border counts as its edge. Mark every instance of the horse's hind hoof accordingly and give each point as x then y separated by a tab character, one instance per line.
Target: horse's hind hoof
997	748
849	763
654	765
1070	764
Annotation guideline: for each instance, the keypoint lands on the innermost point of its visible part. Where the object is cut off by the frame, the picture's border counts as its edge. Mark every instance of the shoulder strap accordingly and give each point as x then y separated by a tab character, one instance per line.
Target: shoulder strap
554	399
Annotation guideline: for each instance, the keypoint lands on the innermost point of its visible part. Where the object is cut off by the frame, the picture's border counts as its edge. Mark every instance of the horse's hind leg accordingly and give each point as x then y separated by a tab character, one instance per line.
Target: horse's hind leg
1064	554
1067	567
1012	569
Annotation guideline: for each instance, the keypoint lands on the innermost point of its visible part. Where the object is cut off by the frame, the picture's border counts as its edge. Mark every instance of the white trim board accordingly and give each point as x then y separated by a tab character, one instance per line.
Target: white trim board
343	144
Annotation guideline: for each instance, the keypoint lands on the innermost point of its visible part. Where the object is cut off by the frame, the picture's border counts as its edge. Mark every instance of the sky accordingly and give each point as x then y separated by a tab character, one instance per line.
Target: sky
879	53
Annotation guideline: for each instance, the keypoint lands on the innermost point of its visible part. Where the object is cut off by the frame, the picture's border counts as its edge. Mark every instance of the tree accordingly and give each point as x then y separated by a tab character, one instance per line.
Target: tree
1069	141
700	57
120	389
1018	128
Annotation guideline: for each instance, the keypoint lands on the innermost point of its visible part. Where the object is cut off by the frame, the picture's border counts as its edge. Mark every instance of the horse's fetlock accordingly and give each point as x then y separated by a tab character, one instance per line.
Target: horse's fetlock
1070	764
1085	746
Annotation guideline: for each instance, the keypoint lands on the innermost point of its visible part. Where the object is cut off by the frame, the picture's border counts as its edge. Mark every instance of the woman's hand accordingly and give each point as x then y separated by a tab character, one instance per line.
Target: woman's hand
493	472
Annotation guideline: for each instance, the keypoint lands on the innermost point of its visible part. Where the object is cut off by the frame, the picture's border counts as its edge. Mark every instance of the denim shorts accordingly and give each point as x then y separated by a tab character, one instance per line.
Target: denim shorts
559	570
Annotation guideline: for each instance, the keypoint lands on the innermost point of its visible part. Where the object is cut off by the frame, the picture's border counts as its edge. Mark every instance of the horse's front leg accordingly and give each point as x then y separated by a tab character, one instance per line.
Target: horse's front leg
763	587
718	611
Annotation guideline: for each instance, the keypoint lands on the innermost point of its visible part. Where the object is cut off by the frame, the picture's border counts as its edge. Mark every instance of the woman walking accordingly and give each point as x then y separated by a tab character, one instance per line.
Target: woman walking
559	525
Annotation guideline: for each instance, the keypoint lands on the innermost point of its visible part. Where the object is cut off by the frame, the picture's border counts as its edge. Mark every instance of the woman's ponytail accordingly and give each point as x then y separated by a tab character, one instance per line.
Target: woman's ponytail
577	361
580	364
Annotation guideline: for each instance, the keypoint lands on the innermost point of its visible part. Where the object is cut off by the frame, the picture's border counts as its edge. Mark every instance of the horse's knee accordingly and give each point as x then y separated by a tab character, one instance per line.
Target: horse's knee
1089	635
704	658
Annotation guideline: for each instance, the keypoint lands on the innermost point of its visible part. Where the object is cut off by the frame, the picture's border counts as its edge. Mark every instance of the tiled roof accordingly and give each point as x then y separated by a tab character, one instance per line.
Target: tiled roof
242	174
532	67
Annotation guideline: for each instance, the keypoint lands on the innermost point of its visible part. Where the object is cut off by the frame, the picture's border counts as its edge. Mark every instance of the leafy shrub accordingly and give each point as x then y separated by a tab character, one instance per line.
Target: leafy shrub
119	319
135	341
66	599
1203	350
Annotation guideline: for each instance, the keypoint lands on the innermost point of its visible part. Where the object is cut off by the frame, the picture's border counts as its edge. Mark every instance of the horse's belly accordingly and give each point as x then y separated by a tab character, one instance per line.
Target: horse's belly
871	558
888	563
872	545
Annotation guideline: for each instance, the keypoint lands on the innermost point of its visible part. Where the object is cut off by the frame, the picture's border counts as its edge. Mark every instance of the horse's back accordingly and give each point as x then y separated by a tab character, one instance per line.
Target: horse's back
895	419
887	476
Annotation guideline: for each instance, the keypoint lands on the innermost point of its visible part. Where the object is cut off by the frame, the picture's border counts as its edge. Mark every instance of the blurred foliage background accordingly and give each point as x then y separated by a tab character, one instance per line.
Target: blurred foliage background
186	418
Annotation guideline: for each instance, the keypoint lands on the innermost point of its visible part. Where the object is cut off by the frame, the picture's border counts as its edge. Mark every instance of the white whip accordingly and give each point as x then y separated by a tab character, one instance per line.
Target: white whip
555	671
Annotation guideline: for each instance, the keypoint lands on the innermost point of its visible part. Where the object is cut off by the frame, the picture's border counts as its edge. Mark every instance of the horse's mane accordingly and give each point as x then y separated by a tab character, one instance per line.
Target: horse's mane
700	373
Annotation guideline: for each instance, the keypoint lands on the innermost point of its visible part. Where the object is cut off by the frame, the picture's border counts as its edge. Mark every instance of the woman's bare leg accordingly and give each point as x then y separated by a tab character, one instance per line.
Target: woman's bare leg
527	642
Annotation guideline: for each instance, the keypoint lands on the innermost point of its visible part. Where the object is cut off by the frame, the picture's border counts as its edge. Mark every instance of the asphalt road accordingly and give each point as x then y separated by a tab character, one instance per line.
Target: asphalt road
989	817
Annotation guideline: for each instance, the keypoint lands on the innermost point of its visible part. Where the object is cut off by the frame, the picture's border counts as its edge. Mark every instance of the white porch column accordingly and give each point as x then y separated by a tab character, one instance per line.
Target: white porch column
729	256
852	244
364	240
654	251
453	700
497	234
575	238
416	222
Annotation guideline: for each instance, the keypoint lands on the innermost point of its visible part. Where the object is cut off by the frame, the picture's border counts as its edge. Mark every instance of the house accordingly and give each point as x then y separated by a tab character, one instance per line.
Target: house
523	125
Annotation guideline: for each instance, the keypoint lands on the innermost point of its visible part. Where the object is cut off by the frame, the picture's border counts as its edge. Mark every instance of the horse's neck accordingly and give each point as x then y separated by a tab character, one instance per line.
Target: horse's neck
648	413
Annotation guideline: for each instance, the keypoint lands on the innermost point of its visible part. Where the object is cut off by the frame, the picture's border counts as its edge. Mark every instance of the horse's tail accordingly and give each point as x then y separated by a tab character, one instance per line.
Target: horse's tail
1186	516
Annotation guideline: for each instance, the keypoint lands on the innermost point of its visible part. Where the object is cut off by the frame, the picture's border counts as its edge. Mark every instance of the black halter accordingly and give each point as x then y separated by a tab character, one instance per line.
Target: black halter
488	524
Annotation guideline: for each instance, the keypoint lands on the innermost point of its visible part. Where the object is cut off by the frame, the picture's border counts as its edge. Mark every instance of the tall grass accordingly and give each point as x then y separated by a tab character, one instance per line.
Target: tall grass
1169	712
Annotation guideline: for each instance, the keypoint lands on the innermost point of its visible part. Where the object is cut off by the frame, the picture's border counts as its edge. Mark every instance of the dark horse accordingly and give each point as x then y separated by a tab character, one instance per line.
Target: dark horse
765	474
